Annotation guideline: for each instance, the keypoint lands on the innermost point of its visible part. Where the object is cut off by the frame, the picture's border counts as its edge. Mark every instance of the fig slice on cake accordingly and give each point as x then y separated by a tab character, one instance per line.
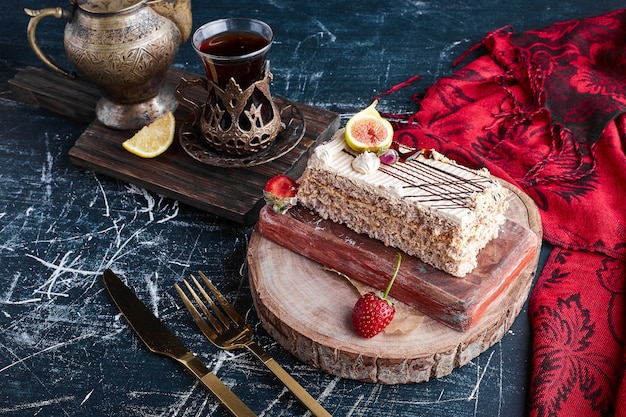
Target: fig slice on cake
368	131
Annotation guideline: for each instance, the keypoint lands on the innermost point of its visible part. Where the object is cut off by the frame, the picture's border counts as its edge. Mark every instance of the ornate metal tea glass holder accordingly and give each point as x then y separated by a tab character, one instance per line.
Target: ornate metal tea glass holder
235	121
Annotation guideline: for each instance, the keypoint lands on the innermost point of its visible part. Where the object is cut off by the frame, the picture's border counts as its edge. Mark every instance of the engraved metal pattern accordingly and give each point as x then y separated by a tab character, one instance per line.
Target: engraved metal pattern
292	132
127	57
240	122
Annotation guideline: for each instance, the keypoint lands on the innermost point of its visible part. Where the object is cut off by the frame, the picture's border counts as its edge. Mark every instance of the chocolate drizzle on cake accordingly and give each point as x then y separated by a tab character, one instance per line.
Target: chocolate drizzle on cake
429	183
441	185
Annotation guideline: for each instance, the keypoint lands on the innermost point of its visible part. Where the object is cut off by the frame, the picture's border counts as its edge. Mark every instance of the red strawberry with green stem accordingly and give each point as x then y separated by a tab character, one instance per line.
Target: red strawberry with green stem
280	192
372	313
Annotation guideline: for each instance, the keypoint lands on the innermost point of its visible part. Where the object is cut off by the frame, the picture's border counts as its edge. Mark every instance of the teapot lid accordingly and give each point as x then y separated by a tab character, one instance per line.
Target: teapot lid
107	6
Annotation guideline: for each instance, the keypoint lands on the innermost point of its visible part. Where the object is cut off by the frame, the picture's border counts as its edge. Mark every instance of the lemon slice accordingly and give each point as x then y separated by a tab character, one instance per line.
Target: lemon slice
154	139
368	131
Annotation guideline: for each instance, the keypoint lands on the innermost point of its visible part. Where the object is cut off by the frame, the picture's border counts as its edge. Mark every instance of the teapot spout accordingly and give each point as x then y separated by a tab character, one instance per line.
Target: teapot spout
178	11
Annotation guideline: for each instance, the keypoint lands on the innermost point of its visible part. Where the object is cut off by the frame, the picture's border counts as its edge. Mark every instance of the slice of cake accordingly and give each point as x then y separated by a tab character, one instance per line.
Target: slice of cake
425	205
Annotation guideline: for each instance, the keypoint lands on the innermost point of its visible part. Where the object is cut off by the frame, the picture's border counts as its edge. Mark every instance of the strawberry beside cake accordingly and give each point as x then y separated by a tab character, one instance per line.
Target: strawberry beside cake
423	204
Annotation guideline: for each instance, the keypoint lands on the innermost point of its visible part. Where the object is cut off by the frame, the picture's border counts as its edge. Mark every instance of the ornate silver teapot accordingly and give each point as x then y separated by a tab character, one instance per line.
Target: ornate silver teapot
124	47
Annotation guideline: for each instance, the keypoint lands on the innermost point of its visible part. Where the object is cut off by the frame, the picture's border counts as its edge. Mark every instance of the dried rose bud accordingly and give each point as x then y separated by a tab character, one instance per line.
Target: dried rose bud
389	157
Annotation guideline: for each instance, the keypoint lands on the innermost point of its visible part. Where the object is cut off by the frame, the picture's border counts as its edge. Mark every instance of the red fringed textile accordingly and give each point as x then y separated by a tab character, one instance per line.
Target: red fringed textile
544	110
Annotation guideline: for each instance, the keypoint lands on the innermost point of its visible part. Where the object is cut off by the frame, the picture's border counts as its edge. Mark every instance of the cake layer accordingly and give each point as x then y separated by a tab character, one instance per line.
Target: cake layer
458	303
428	207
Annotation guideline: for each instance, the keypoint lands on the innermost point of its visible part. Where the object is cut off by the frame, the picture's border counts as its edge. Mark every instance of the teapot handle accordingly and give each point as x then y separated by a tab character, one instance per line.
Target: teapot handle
35	17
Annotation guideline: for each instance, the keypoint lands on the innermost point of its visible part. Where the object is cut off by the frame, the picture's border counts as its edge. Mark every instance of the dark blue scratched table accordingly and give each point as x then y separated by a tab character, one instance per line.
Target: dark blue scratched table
65	350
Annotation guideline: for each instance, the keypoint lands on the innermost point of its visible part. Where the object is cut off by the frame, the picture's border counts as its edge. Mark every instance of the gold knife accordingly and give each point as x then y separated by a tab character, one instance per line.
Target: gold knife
159	339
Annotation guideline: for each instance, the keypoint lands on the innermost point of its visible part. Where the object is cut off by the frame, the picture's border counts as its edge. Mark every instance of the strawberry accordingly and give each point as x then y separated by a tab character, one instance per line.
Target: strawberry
372	313
280	192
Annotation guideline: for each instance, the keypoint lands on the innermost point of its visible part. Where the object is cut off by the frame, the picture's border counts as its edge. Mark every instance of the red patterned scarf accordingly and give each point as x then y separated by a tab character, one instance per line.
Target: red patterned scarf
544	110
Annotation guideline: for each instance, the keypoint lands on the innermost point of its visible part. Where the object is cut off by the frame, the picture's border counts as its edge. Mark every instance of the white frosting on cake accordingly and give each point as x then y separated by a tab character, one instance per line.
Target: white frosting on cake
366	163
434	182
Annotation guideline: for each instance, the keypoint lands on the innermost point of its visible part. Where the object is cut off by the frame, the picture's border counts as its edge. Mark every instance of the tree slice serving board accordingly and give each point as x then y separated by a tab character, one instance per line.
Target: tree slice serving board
307	308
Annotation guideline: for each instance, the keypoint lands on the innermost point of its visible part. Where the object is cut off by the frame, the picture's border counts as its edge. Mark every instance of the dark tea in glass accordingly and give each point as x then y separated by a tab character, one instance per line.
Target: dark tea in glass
233	48
233	44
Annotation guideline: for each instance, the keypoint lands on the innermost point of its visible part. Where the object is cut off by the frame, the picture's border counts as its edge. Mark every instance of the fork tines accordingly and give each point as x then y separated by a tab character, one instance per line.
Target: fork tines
221	317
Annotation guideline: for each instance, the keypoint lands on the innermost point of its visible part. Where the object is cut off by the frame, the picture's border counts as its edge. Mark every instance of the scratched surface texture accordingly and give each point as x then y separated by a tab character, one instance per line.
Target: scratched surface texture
65	350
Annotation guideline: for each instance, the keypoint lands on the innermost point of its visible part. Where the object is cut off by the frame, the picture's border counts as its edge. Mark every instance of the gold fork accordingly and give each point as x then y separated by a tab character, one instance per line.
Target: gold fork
227	329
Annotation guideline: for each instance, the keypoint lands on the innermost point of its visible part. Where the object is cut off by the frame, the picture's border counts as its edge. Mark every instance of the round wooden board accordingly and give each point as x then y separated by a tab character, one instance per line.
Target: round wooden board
307	309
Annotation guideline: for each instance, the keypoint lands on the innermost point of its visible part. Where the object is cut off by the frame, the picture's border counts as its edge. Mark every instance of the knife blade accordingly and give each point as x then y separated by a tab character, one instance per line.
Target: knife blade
160	339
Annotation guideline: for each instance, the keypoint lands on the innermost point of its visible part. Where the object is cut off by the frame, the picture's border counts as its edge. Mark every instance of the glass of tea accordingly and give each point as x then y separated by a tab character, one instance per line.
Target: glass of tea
233	48
238	117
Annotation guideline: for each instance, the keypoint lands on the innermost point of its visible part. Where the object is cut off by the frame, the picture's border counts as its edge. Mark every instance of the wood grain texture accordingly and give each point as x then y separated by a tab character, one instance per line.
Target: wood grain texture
231	193
456	302
307	309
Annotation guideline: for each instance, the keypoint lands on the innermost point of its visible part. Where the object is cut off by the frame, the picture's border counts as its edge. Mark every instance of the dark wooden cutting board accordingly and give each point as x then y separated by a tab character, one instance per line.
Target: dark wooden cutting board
232	193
